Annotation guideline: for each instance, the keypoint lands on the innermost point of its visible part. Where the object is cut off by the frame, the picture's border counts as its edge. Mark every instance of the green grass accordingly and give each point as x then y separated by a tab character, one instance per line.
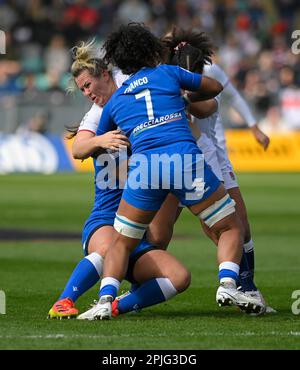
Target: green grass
32	274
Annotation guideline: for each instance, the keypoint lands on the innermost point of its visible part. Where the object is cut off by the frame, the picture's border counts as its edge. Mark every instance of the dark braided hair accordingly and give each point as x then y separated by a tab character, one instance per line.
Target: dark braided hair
133	47
188	49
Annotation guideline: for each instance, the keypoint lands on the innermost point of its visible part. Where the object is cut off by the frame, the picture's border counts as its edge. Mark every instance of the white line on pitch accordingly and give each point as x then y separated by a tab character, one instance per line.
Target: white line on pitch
241	334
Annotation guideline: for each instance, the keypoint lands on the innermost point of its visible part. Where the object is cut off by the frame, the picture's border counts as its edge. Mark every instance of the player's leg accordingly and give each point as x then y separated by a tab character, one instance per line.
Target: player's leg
247	263
218	213
247	266
136	211
89	270
96	239
160	230
131	224
160	275
245	278
215	155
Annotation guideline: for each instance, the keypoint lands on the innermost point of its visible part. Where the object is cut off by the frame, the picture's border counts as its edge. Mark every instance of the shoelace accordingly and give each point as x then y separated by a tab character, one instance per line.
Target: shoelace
63	305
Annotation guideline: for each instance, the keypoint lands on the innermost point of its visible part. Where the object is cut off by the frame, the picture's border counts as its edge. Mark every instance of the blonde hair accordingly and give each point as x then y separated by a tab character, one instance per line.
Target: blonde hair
85	58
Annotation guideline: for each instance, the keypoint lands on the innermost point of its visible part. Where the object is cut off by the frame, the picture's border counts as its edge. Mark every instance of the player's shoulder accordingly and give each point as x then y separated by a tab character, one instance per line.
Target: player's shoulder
168	68
172	71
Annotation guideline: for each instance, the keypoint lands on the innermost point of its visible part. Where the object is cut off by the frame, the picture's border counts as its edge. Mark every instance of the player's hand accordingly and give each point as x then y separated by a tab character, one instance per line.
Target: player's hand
113	140
260	137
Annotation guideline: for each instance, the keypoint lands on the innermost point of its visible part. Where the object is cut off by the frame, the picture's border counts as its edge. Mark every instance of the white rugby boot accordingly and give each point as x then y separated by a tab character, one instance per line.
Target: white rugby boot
229	295
257	294
100	311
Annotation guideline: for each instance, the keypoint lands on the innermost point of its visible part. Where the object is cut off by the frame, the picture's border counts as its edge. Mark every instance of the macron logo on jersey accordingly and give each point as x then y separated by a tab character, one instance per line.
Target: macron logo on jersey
136	83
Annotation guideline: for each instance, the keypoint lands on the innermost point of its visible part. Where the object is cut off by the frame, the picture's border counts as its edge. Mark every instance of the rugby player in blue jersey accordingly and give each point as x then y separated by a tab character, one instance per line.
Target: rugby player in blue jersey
149	109
159	275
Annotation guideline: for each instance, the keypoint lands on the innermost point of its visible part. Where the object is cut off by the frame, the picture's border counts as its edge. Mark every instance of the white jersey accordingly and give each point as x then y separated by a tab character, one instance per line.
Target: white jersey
212	127
91	119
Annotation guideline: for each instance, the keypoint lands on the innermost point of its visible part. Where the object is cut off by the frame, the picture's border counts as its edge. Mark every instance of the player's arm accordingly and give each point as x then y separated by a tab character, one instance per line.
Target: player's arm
197	86
203	109
86	144
240	105
208	89
260	136
194	128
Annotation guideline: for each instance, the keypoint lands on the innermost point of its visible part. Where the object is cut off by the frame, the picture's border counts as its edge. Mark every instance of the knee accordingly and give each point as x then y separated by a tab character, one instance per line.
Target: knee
183	281
100	249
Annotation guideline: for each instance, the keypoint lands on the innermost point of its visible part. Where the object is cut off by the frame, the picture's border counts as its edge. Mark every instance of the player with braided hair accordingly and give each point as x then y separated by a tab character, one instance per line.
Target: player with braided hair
193	50
159	275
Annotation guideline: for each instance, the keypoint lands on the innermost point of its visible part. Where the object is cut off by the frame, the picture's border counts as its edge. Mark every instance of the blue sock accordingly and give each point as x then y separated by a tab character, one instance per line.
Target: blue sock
134	287
84	276
250	260
151	292
246	276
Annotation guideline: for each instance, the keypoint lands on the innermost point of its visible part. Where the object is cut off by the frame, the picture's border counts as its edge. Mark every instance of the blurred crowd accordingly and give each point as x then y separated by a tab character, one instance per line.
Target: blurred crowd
252	37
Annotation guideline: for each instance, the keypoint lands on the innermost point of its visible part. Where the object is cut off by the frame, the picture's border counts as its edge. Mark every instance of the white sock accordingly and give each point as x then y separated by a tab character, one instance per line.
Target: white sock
166	287
97	261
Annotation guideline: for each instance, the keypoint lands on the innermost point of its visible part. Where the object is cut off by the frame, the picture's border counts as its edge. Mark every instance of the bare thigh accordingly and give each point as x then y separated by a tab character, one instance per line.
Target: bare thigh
101	240
160	230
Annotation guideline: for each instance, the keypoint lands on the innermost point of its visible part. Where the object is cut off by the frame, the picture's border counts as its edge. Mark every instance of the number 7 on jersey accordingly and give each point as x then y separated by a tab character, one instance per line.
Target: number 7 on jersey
146	93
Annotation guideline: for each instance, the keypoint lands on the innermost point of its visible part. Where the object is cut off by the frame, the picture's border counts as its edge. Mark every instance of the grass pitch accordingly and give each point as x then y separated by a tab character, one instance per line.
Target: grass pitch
33	273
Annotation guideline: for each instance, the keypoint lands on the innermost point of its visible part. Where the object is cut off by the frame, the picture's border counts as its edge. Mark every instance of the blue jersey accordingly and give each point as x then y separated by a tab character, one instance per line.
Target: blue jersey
149	108
107	192
107	197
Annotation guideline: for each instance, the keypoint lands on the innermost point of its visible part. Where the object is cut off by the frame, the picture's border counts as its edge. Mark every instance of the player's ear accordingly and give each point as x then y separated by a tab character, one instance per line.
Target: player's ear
106	75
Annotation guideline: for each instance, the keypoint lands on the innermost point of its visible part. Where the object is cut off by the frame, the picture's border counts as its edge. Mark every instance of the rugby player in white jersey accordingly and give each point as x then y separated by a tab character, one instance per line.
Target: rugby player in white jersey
187	49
